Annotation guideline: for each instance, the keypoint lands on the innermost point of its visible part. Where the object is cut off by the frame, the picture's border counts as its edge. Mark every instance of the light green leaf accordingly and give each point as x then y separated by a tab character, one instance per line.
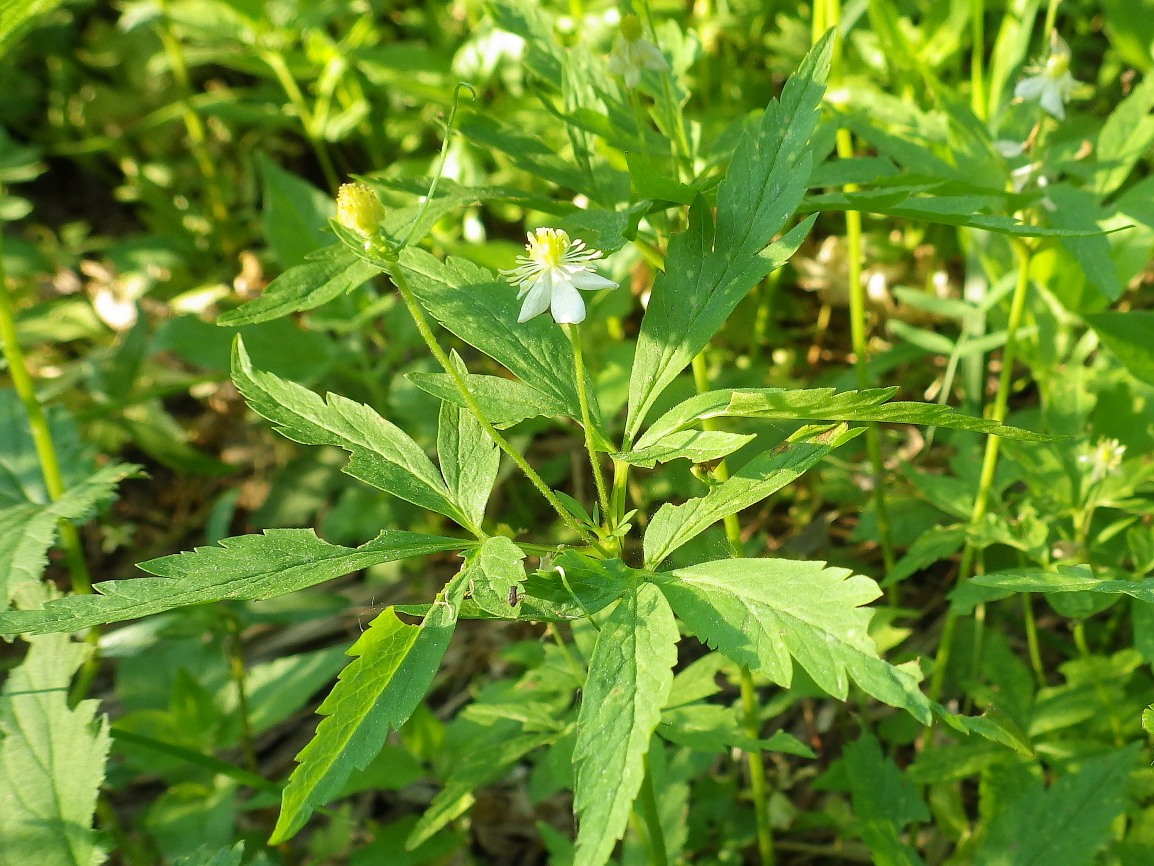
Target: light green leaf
220	857
1070	578
482	310
698	446
504	401
383	455
763	613
818	404
1127	335
324	275
27	530
630	675
295	214
16	16
1065	825
1125	138
495	569
884	801
51	760
469	458
248	567
674	525
394	666
1079	210
705	276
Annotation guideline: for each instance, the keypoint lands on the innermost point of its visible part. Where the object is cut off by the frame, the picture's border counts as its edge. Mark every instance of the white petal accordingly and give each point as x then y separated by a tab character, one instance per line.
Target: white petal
537	299
1052	101
590	281
567	306
1032	87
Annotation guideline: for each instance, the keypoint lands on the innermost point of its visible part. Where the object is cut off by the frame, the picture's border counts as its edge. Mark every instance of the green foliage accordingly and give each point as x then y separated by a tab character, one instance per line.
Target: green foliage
51	759
947	198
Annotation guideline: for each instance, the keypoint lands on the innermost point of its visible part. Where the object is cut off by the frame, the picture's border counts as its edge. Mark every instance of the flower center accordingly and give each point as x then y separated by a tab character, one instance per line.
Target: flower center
547	247
1057	65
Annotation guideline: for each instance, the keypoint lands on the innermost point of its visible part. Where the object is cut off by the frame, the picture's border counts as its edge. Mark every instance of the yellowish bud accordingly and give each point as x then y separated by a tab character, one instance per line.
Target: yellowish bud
631	27
359	209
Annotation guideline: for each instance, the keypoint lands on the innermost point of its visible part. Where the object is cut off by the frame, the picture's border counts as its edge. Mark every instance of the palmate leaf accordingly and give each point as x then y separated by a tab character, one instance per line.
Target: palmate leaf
27	530
706	276
765	613
1065	825
818	404
383	455
394	667
51	760
630	676
674	525
247	567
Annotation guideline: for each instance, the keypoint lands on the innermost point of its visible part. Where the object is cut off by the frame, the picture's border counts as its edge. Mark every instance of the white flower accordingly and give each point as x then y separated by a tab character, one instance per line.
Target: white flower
1051	85
1102	459
550	275
632	54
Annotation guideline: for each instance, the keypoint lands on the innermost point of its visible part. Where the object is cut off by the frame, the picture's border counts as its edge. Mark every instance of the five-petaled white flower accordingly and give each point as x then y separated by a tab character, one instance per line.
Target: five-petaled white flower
1051	85
1103	458
632	54
550	275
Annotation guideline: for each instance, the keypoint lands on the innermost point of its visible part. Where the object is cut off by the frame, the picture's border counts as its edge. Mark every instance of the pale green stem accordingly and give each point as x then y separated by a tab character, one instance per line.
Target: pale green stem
990	459
574	332
651	815
197	137
853	232
680	140
978	102
1032	646
758	788
470	401
41	435
1051	17
280	69
757	784
235	649
450	125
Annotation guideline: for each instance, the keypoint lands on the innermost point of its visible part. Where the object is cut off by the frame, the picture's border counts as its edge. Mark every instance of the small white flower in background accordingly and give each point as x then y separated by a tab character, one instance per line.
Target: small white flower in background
1102	459
632	53
550	275
1051	84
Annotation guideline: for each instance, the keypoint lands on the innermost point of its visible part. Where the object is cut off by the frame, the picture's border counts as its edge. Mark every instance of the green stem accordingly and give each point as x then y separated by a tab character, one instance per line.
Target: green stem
197	137
237	672
853	231
1032	640
1051	17
978	59
651	816
574	332
757	785
990	459
450	125
81	582
426	333
280	69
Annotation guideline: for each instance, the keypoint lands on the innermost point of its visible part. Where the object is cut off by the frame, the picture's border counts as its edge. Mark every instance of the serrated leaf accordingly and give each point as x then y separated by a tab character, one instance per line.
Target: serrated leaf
707	275
394	666
325	274
496	573
818	404
884	801
220	857
764	613
698	446
27	530
630	675
51	760
674	525
247	567
383	455
504	401
1065	825
469	458
470	302
21	480
1068	578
